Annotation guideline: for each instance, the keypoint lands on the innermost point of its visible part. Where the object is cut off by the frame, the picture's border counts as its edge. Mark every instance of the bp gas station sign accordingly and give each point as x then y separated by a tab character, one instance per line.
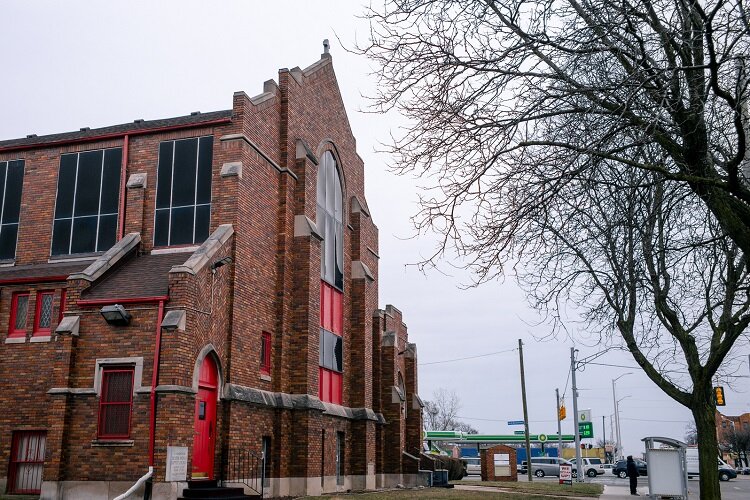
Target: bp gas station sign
585	425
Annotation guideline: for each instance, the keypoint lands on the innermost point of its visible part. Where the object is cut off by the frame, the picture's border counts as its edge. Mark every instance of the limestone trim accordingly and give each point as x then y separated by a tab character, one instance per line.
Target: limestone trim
232	169
135	362
205	252
361	271
137	180
105	262
246	140
304	226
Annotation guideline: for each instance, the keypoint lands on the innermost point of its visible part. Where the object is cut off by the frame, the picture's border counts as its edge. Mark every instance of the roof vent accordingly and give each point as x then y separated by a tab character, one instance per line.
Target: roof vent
139	120
195	113
85	129
31	136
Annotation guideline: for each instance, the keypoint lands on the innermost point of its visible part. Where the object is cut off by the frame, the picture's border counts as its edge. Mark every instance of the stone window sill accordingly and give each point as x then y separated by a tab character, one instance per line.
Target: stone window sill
113	443
15	340
41	338
265	376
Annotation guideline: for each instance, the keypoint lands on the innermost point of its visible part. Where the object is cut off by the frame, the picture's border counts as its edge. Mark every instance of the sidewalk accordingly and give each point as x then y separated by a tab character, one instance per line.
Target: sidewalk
622	492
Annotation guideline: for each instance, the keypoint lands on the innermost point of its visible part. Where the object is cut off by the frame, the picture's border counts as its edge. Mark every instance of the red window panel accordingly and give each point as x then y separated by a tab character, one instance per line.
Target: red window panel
116	403
265	353
43	314
63	297
27	462
330	386
19	314
337	313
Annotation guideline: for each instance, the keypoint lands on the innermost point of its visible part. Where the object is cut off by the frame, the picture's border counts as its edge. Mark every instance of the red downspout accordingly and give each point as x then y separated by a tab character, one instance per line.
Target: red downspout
123	181
154	381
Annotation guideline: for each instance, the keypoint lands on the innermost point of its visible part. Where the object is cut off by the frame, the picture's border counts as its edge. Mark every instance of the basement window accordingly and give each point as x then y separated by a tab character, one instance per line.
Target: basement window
87	205
183	192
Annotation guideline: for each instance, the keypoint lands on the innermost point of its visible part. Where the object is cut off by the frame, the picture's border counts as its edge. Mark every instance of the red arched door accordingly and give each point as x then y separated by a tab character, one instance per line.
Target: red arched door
204	439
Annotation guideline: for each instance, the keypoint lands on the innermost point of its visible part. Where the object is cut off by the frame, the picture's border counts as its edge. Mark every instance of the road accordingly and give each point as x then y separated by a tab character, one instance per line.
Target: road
735	489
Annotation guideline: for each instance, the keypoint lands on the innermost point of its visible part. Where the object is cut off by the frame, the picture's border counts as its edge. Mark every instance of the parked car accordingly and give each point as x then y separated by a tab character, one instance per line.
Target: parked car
592	467
546	466
608	469
473	465
621	468
727	473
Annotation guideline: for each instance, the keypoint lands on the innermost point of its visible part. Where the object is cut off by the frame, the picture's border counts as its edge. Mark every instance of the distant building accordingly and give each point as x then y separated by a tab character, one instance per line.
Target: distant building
194	293
727	424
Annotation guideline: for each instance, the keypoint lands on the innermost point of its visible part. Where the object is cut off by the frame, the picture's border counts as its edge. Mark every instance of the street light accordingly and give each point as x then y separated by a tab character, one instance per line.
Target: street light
618	444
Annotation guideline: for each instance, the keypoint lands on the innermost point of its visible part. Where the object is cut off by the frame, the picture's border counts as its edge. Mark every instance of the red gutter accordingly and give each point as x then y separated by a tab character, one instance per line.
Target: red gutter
123	181
34	279
154	381
123	300
116	135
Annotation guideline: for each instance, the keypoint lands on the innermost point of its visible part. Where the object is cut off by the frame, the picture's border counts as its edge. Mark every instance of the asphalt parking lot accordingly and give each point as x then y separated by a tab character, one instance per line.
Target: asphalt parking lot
735	489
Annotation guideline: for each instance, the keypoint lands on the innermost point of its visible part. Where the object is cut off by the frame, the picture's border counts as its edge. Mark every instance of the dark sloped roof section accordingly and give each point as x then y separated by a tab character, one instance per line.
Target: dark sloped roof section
140	276
30	273
141	127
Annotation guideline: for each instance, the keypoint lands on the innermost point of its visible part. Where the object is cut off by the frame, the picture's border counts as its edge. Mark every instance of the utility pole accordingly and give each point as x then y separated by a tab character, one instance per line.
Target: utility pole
525	411
604	439
579	469
559	432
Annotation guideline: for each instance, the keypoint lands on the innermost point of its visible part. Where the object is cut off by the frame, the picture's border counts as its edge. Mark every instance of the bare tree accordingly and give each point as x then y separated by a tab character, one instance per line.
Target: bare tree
691	434
737	440
601	145
441	413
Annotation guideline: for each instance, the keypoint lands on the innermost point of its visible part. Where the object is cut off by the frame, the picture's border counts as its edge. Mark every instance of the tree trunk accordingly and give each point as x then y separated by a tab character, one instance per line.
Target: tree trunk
704	414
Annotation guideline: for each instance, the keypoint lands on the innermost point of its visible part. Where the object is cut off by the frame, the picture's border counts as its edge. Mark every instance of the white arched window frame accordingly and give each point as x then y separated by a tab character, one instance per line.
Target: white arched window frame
330	221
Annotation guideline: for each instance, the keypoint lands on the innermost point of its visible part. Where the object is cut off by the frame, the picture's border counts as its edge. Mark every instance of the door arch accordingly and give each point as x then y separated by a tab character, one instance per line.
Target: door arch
204	436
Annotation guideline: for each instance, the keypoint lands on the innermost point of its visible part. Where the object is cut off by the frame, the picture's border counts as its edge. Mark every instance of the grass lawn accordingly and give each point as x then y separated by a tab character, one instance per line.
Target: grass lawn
562	490
520	491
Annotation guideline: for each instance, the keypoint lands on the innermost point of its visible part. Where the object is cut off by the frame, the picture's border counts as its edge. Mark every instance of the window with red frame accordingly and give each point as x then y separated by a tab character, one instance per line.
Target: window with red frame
116	403
330	372
26	462
43	315
19	314
265	353
62	305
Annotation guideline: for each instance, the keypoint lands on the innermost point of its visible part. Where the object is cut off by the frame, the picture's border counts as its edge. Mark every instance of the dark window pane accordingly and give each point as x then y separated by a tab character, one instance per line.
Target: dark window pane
202	220
161	228
107	232
8	235
182	226
111	181
3	170
164	175
61	237
84	235
322	343
338	354
66	181
88	183
205	156
339	259
183	181
13	188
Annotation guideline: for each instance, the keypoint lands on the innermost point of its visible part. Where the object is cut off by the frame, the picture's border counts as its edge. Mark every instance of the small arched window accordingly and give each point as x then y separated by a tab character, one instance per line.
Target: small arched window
330	221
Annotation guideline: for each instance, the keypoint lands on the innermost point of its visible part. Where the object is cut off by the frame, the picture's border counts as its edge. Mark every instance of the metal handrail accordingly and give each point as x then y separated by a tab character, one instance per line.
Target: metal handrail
246	467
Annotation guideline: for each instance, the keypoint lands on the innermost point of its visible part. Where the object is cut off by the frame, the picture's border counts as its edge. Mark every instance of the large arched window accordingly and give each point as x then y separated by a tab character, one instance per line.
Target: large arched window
330	221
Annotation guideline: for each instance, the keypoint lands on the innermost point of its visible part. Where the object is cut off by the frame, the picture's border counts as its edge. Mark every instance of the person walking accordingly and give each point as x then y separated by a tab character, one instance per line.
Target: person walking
632	474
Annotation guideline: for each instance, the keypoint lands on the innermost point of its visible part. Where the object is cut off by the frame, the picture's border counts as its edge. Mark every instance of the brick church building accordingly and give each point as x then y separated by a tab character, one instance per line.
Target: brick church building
191	295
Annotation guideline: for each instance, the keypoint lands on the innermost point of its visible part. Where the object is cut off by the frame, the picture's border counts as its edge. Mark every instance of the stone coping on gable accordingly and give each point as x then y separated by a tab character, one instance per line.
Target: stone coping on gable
234	392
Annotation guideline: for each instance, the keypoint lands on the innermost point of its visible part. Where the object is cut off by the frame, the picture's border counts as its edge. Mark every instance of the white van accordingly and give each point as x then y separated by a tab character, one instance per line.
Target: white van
726	471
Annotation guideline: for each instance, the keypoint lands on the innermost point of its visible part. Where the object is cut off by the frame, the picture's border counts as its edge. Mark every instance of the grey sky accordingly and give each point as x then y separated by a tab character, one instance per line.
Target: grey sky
77	64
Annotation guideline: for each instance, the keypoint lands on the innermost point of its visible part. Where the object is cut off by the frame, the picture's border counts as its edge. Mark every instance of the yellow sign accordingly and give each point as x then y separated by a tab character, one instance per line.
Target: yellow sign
719	396
562	413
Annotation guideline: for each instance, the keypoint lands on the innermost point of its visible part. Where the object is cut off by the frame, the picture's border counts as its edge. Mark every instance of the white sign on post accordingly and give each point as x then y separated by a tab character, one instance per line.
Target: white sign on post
177	459
566	474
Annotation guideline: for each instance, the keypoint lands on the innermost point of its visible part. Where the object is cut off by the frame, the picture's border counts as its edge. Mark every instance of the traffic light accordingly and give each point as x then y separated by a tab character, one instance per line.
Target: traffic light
719	396
562	413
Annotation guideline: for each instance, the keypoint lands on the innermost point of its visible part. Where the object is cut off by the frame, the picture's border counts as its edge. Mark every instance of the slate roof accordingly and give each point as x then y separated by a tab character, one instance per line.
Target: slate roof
138	126
31	272
139	276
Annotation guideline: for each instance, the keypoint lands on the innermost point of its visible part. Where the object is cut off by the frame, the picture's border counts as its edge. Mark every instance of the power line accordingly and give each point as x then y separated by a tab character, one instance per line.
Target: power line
654	420
468	357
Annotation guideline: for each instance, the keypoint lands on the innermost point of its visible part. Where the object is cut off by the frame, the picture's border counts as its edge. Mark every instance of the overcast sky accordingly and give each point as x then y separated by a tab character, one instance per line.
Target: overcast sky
77	64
